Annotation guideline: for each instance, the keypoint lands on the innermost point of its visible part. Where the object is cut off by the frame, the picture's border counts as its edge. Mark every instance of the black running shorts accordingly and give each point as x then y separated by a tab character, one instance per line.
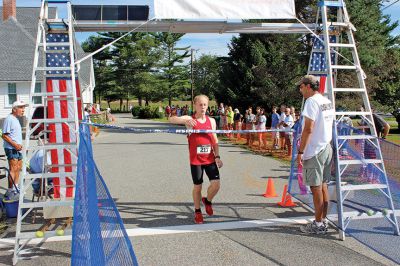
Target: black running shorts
198	171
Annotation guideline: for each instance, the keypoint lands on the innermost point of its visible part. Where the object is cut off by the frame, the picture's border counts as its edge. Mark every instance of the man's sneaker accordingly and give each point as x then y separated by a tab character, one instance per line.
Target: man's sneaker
326	224
209	209
198	218
313	228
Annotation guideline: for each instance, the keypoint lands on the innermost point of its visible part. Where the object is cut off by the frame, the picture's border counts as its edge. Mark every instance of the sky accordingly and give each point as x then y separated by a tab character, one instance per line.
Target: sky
215	44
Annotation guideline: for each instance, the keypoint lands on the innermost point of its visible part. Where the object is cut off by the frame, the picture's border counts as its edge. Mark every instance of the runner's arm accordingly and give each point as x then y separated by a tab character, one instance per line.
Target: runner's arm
179	120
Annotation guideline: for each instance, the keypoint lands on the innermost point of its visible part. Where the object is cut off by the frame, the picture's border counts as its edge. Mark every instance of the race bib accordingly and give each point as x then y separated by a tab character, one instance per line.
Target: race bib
204	149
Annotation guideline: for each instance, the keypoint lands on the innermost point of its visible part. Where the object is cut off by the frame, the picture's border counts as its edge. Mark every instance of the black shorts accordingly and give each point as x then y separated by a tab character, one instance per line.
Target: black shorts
198	171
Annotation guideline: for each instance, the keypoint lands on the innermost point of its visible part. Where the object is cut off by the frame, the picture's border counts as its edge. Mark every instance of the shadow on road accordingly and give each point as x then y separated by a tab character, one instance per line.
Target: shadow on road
157	214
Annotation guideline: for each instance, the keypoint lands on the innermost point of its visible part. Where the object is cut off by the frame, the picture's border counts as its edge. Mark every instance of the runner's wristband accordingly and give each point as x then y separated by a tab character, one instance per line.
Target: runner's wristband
218	157
300	152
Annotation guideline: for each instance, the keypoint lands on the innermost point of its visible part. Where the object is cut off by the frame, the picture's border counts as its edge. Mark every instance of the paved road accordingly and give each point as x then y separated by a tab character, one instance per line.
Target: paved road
148	176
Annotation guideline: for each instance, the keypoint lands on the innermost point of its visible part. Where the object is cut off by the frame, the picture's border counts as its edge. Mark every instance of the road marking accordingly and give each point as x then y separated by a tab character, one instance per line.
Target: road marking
207	227
179	229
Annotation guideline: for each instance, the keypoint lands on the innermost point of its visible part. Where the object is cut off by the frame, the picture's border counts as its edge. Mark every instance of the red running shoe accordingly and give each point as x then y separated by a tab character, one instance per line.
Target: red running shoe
198	218
209	209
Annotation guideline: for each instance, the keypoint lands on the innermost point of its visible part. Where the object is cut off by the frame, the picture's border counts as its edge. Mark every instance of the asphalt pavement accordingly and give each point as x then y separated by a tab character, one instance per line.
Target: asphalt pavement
148	176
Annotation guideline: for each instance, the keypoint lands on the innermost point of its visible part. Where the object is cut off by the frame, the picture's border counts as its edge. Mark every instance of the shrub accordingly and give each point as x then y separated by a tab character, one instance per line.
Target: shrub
135	111
145	113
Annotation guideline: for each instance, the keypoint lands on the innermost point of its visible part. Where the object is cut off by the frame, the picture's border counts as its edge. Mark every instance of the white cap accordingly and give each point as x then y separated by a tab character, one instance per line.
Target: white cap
19	104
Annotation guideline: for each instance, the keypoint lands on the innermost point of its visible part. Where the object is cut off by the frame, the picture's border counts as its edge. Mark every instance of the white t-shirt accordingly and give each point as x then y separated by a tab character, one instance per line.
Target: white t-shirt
289	122
261	122
319	109
282	119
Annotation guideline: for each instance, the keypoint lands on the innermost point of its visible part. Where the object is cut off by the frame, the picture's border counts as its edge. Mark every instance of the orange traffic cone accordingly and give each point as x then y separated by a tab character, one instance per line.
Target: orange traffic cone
270	190
286	199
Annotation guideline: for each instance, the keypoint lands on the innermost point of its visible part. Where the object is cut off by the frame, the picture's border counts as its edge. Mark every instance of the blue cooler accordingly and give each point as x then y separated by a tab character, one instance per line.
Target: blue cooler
11	207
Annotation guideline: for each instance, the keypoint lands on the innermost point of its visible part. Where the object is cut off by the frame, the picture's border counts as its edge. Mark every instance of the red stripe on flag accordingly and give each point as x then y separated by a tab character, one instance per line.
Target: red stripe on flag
322	84
66	138
53	139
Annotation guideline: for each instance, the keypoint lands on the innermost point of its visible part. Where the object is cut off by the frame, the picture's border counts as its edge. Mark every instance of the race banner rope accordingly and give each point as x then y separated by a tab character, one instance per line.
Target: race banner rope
183	131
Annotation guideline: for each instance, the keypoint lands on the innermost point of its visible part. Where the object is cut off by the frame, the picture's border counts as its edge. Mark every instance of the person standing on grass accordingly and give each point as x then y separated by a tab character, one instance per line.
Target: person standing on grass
203	154
238	121
315	151
250	122
12	137
287	125
261	125
230	116
281	121
274	125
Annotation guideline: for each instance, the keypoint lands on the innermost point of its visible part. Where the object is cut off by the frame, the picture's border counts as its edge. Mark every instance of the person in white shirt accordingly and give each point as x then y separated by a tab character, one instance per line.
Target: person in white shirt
315	151
287	125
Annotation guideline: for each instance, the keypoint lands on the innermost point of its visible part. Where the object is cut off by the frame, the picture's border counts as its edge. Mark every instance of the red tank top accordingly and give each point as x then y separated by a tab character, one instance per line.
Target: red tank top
201	145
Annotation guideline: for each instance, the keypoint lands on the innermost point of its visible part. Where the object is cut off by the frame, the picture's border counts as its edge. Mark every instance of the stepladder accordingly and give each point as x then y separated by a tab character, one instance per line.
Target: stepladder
52	136
359	186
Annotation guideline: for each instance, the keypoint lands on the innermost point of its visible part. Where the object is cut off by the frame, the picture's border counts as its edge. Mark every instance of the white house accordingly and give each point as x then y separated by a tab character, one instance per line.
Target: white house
18	29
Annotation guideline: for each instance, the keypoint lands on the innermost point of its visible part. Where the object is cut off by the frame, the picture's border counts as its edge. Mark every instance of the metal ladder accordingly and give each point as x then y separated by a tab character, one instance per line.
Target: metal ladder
54	41
338	36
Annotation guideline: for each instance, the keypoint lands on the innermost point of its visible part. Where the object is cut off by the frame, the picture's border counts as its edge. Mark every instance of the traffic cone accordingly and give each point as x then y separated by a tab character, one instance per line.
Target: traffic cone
270	190
286	199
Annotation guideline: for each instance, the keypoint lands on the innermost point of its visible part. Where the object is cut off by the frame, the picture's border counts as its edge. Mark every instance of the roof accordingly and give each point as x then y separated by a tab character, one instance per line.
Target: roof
17	45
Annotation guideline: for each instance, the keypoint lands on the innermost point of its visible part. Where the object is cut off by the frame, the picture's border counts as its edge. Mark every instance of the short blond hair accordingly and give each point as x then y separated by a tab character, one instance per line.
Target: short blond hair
200	96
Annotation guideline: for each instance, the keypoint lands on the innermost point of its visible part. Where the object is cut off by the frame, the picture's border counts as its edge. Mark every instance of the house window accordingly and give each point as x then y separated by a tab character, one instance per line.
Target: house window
12	93
38	89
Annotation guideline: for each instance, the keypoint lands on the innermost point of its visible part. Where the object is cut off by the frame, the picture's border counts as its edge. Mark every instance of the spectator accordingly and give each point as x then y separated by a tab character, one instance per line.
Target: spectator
250	122
293	113
12	136
168	111
274	125
36	167
261	125
229	117
287	125
224	119
238	121
282	135
221	114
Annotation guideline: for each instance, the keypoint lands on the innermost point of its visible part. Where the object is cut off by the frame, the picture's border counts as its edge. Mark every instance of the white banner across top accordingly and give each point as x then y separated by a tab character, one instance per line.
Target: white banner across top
224	9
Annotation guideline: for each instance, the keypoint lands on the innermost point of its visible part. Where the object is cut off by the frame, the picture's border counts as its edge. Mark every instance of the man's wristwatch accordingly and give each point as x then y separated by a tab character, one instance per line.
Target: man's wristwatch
218	157
300	152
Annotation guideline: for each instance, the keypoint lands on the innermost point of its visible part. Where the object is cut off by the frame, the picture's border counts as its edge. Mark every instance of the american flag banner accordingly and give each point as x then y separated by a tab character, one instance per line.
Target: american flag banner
318	65
59	81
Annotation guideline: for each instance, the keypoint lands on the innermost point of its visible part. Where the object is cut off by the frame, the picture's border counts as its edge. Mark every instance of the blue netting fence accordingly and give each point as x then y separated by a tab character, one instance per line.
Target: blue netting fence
99	236
376	231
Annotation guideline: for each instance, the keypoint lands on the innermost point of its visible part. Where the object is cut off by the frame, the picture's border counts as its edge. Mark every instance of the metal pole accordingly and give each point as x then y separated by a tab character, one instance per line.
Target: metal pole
191	75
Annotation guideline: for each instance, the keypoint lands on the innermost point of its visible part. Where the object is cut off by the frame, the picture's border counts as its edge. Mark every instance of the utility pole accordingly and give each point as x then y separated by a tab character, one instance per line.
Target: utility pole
191	75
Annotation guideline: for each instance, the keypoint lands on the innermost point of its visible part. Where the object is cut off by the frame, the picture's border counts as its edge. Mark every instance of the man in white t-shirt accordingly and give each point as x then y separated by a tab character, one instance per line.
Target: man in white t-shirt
315	151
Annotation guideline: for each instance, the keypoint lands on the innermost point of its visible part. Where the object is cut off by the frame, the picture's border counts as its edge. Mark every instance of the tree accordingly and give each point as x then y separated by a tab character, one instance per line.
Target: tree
261	70
104	75
174	72
206	72
378	49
